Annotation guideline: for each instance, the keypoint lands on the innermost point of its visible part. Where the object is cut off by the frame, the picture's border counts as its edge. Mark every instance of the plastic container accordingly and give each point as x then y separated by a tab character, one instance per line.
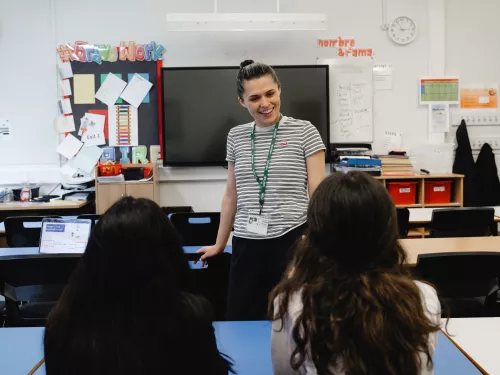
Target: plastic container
110	169
403	192
438	192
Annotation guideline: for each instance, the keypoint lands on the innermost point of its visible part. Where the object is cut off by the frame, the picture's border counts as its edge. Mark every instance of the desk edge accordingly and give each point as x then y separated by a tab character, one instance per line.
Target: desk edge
478	366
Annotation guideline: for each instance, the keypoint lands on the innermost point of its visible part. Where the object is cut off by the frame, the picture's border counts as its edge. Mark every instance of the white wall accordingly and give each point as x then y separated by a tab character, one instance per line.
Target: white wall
111	21
473	49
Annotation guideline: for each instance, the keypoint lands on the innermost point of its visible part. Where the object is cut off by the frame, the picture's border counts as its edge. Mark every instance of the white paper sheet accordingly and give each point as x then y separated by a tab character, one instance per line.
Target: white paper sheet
439	121
65	87
65	70
123	126
65	106
64	124
69	169
136	90
392	141
382	76
97	122
87	158
93	138
110	90
5	129
69	147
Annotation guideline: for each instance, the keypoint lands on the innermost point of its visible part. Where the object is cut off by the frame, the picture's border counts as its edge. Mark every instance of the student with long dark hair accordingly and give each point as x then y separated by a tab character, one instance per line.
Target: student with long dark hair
274	165
347	305
126	309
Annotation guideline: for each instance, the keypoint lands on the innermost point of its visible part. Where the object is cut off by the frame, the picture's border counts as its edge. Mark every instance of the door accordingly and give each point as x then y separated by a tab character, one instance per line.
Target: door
141	190
107	195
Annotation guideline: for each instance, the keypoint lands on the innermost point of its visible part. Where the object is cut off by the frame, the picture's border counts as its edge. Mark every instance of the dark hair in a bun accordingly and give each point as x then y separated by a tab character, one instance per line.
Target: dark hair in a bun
250	69
246	63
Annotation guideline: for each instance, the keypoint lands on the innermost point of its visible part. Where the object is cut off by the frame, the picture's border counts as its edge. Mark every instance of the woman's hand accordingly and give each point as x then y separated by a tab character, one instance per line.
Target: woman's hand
209	252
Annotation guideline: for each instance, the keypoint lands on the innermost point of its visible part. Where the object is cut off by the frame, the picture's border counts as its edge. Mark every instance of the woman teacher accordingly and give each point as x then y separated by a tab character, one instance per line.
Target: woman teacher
274	165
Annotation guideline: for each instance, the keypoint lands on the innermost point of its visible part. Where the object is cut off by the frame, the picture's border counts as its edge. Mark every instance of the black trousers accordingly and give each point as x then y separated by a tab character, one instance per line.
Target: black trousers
256	268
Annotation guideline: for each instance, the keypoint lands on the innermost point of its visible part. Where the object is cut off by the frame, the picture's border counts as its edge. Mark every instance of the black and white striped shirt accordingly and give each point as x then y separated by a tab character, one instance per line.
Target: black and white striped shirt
286	196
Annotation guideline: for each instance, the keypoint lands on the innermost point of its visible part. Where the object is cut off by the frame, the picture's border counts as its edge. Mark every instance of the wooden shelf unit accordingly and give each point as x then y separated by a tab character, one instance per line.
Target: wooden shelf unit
457	189
109	193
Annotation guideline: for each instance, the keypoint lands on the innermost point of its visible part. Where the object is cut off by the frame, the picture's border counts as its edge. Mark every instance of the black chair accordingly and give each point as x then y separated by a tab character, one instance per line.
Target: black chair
196	229
462	222
173	209
403	216
32	284
18	234
212	281
467	283
92	217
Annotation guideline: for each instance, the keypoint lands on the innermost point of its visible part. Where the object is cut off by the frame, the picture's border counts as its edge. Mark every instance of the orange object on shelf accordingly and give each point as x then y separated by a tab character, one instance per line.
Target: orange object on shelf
403	192
437	192
110	169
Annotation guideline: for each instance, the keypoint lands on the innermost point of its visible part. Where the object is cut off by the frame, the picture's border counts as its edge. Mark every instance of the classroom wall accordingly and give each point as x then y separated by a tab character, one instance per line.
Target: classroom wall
111	21
473	50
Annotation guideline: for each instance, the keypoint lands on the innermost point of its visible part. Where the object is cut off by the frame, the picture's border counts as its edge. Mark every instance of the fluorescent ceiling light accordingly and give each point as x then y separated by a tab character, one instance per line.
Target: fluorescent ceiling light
245	21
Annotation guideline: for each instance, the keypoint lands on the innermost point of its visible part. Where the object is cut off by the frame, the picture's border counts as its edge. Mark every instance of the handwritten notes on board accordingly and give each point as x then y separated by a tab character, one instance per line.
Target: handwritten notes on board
351	100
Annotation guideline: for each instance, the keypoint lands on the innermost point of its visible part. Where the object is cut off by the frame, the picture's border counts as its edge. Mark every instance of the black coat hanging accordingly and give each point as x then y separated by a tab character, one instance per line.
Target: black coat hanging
464	164
487	182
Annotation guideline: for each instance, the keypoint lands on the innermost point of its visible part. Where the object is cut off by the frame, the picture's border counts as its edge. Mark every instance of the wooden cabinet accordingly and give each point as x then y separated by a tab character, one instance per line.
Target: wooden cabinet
109	193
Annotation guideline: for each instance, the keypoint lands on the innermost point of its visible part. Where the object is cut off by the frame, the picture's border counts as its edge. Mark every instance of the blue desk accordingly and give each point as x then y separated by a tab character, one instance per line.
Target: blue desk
247	343
14	251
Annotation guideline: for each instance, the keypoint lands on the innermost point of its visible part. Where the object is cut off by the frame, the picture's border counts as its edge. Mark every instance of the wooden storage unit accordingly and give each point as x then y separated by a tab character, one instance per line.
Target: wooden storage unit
109	193
457	191
457	194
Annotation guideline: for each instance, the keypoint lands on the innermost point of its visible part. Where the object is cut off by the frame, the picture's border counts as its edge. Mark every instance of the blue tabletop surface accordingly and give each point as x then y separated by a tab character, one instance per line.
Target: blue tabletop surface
247	343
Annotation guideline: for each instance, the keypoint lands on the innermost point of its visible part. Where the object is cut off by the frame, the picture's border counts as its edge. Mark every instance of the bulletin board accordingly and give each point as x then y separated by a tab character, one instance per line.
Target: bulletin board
148	125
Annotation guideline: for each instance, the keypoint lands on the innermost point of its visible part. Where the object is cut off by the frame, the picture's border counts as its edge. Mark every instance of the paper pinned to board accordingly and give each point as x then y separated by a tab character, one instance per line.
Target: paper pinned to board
69	147
64	124
93	138
136	90
110	90
123	126
439	118
65	106
69	169
65	87
65	70
382	76
84	85
5	131
87	158
392	141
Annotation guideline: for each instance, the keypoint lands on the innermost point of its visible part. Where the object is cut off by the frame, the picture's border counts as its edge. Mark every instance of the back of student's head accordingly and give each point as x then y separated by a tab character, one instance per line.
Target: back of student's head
124	309
361	309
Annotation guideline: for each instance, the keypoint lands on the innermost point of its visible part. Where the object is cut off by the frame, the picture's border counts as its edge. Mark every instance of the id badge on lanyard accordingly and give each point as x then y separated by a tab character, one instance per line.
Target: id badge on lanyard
257	222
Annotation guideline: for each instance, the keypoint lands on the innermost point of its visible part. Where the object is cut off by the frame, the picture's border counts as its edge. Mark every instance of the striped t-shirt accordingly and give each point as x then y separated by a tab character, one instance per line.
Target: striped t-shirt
286	196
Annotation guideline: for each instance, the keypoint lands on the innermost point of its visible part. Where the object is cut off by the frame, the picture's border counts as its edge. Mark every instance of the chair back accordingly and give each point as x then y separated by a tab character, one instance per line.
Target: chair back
24	231
460	274
403	217
173	209
462	222
196	228
212	281
37	279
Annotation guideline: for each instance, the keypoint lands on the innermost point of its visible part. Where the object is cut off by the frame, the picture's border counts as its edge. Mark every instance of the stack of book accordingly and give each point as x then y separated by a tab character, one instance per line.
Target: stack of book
396	165
370	166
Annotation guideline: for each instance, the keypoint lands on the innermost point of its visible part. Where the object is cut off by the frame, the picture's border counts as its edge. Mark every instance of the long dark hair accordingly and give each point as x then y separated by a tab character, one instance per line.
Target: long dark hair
361	310
250	69
126	309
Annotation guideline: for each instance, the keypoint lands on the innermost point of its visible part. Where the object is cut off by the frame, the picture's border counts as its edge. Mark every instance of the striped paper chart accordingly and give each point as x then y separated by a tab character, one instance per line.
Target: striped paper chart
123	126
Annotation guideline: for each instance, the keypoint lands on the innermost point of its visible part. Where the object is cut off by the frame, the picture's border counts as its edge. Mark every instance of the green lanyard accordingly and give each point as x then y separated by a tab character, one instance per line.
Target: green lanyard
263	182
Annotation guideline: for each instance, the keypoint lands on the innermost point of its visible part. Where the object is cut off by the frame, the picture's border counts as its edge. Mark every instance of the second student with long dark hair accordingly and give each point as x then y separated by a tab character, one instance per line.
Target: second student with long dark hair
127	309
346	304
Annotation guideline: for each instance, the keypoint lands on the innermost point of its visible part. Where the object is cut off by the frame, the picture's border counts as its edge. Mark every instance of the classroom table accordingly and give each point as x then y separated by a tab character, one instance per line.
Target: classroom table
413	247
247	343
417	246
424	215
478	339
54	205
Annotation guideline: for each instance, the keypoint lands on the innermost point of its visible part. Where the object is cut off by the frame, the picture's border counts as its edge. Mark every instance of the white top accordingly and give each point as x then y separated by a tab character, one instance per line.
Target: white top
286	196
282	343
